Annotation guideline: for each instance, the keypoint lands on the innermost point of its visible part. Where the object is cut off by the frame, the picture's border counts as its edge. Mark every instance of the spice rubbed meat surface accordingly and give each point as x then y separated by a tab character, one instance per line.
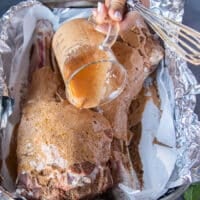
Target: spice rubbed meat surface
61	147
140	53
67	153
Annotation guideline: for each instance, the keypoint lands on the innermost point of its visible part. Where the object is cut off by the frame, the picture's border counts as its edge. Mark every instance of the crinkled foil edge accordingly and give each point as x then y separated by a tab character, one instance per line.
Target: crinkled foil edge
4	48
4	21
186	122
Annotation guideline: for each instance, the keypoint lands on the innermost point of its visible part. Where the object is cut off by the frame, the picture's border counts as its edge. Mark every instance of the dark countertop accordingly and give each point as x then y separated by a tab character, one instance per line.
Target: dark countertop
191	18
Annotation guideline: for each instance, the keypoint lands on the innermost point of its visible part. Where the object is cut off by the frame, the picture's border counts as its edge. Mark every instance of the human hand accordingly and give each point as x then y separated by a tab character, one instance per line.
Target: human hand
111	10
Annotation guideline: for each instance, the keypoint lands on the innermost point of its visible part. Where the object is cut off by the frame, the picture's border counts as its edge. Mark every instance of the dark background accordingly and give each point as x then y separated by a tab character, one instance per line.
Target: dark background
191	18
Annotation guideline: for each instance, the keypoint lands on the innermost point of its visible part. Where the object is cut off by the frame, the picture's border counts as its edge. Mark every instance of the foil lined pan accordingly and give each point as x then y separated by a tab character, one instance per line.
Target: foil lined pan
187	168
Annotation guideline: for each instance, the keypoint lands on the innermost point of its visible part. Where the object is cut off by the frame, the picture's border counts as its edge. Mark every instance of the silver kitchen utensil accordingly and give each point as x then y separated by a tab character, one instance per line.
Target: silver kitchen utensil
181	39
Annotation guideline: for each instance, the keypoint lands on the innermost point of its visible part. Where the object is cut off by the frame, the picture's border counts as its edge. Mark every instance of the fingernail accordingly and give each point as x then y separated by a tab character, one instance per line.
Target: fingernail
118	15
99	7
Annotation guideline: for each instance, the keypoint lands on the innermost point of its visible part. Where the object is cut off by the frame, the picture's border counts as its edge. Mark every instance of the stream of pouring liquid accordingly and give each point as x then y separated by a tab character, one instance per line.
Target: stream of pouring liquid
91	85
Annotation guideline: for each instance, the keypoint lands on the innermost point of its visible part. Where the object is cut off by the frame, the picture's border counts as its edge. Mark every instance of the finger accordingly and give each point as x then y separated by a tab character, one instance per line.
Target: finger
116	8
100	13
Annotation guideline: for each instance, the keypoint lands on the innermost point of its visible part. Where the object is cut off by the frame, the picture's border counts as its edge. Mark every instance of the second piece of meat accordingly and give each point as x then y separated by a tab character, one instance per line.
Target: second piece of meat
139	53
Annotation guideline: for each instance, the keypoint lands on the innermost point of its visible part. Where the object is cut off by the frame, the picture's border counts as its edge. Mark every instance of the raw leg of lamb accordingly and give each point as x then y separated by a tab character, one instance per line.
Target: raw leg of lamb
63	152
139	52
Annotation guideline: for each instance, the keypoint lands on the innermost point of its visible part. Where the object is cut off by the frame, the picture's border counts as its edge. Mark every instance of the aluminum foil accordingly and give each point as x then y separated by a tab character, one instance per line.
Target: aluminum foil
187	168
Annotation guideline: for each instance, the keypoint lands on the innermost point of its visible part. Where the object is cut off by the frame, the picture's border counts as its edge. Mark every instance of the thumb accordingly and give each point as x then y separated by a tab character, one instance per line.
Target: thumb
116	8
